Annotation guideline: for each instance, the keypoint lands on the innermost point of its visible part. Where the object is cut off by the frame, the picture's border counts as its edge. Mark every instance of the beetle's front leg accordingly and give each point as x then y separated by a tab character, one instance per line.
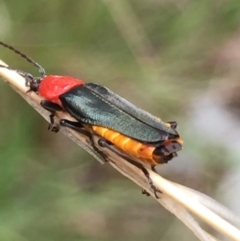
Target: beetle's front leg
52	108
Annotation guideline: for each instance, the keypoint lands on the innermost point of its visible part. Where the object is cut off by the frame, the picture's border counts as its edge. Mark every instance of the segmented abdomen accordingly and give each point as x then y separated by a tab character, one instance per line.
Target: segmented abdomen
128	145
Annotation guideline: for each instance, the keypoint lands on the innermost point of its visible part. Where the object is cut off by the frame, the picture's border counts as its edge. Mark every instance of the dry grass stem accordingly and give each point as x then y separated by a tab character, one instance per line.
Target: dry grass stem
174	197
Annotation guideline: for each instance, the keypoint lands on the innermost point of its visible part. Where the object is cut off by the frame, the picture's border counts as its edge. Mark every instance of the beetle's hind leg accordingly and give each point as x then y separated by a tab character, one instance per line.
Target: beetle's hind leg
77	126
104	143
143	190
173	124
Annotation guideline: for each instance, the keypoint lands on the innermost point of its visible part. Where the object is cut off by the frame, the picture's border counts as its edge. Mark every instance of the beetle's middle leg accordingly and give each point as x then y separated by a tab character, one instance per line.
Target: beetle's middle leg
77	126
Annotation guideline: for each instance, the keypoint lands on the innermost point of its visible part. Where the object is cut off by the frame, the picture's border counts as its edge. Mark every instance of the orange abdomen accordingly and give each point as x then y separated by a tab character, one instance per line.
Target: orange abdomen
135	148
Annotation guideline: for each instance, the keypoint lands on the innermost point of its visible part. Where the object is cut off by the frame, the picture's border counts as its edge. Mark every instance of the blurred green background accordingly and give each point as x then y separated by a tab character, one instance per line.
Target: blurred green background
177	59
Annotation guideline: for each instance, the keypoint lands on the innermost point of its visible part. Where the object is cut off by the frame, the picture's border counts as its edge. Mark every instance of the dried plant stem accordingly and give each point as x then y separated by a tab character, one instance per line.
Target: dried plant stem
174	198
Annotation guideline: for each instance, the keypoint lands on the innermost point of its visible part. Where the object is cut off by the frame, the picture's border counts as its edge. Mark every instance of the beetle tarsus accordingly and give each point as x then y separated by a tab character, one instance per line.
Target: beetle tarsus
150	182
144	192
52	126
52	108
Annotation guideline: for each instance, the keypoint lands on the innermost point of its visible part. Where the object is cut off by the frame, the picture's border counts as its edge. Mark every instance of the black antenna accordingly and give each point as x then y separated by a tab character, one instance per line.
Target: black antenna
30	60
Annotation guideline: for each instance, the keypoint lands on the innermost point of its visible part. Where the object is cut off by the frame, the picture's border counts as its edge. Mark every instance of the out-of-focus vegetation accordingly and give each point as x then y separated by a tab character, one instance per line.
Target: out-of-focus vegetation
177	59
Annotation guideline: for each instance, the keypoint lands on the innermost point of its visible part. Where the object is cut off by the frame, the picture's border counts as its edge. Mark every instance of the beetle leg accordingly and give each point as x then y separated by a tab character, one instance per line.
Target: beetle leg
153	168
77	126
52	108
28	77
173	124
104	143
144	191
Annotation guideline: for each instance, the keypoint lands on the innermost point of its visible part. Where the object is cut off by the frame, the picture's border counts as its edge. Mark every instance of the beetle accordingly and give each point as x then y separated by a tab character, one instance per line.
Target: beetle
132	131
127	127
